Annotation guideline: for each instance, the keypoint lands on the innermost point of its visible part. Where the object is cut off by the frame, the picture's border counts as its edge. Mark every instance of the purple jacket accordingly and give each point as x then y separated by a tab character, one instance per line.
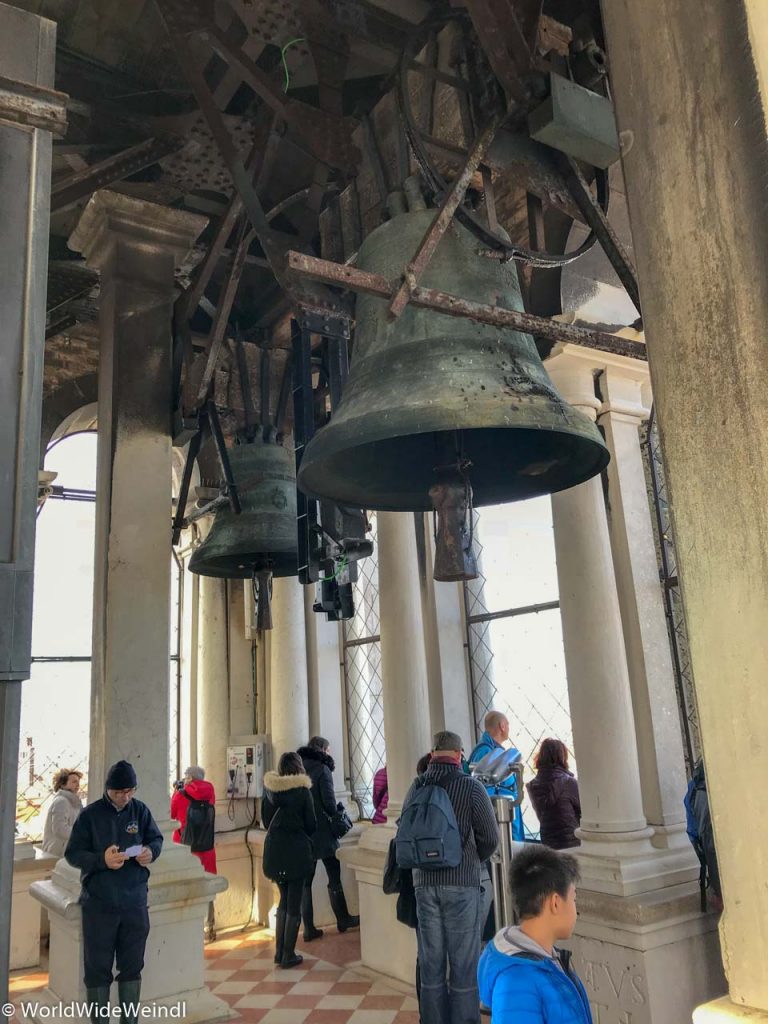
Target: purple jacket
380	796
554	794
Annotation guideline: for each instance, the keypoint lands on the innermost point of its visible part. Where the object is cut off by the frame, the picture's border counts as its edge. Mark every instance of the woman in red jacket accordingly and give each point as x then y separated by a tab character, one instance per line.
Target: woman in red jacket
195	788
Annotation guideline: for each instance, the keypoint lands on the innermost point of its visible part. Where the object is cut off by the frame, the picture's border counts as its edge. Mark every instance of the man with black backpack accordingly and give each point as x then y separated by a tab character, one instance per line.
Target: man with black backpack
447	829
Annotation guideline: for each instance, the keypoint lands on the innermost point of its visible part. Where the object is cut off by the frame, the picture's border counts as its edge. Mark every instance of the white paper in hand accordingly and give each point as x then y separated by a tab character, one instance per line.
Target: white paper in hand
133	851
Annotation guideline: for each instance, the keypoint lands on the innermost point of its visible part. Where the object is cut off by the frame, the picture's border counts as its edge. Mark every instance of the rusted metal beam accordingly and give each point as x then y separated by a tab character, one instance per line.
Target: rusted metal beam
442	220
33	105
223	309
114	168
599	223
452	305
507	31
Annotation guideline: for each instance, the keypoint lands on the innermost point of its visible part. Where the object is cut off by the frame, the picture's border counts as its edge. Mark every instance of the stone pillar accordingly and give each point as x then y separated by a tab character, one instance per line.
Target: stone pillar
645	951
327	715
136	246
386	945
651	675
693	196
27	49
289	699
242	698
445	638
213	689
596	664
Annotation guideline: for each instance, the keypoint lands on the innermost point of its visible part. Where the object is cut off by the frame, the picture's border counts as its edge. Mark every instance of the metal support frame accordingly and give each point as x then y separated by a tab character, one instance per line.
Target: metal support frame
598	223
303	431
441	223
221	450
344	276
113	168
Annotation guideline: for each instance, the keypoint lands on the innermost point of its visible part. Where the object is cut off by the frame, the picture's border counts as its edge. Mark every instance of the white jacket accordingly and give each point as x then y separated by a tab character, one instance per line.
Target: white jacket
62	815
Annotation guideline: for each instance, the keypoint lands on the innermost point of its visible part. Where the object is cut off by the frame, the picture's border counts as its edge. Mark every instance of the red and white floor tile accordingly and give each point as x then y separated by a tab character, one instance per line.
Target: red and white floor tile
330	987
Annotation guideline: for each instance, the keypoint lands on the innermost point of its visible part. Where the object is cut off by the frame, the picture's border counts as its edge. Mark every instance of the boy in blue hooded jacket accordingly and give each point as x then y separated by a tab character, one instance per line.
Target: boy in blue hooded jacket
522	978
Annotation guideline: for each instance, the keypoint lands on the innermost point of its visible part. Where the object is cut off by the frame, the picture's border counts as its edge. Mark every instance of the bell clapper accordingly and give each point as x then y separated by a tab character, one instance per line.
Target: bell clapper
451	496
262	596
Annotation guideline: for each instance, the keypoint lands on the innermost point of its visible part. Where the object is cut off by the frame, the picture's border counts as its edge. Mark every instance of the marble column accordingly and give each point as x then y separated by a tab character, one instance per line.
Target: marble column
213	686
326	687
289	699
646	637
445	637
694	196
27	53
644	949
136	246
386	945
595	657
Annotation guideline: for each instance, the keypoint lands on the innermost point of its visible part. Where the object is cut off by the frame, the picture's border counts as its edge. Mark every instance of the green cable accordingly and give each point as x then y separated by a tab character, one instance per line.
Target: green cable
285	62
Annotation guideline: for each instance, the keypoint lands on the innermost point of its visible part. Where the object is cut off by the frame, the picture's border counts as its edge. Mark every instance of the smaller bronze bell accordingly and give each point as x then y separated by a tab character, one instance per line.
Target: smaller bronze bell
263	537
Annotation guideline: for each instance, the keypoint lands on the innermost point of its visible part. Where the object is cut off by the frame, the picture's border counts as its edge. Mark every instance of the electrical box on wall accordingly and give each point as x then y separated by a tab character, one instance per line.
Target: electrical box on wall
246	764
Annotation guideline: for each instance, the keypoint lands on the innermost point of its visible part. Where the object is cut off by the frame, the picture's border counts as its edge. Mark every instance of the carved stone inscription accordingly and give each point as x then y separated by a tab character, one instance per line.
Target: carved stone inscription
614	978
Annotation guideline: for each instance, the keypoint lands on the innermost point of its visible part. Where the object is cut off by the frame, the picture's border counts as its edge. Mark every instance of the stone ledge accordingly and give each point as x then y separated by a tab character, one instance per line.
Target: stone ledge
723	1010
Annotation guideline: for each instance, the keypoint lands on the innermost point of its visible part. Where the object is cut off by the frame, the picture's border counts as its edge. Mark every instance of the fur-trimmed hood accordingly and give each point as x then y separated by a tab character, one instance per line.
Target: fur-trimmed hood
313	754
282	783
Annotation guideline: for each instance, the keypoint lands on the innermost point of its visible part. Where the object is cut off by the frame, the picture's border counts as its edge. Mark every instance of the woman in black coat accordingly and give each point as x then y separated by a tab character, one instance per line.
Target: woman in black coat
554	794
288	812
319	766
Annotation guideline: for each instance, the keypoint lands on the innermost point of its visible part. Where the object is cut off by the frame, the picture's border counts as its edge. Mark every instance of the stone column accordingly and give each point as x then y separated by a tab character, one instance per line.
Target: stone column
596	663
694	196
645	951
242	703
289	699
651	675
446	647
136	246
385	944
326	687
213	689
27	49
403	659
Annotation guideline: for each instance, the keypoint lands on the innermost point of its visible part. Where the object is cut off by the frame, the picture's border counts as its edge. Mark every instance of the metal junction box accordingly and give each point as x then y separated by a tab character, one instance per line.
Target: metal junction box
577	122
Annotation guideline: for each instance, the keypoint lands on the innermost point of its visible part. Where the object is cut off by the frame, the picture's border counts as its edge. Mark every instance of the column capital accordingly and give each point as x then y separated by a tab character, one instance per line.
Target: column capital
572	370
110	215
626	391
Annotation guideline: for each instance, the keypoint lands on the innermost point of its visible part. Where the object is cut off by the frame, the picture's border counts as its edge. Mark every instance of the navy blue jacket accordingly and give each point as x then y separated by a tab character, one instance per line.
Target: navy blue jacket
319	766
100	826
531	990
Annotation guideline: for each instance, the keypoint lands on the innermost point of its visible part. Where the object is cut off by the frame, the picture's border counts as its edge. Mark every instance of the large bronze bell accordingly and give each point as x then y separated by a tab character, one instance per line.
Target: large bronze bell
429	396
262	538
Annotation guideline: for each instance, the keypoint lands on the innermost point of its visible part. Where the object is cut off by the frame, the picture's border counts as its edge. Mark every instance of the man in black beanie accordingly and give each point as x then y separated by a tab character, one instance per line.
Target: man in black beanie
112	842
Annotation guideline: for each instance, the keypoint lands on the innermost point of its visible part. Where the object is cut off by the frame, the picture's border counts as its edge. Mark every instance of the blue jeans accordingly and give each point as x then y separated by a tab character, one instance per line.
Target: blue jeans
449	948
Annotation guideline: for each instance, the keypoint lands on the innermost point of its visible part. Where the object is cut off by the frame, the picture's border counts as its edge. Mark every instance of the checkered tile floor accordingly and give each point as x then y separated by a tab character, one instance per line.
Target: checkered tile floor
330	987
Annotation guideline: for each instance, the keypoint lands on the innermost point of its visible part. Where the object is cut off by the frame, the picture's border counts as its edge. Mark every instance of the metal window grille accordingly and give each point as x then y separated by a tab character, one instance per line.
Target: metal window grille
673	603
517	666
362	677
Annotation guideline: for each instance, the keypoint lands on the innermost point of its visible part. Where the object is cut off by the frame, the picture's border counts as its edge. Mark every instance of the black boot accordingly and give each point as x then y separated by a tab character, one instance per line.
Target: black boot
128	992
344	920
98	997
308	916
290	957
279	935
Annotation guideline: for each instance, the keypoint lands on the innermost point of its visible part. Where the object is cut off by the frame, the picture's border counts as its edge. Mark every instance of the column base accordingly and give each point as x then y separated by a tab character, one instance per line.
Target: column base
174	963
648	959
627	864
386	946
723	1010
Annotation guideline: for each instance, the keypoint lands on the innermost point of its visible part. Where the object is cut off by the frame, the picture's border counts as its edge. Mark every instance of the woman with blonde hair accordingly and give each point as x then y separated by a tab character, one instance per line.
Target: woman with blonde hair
63	812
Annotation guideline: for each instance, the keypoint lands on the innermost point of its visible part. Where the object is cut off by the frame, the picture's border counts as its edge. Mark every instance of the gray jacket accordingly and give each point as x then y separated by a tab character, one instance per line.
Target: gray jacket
62	815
